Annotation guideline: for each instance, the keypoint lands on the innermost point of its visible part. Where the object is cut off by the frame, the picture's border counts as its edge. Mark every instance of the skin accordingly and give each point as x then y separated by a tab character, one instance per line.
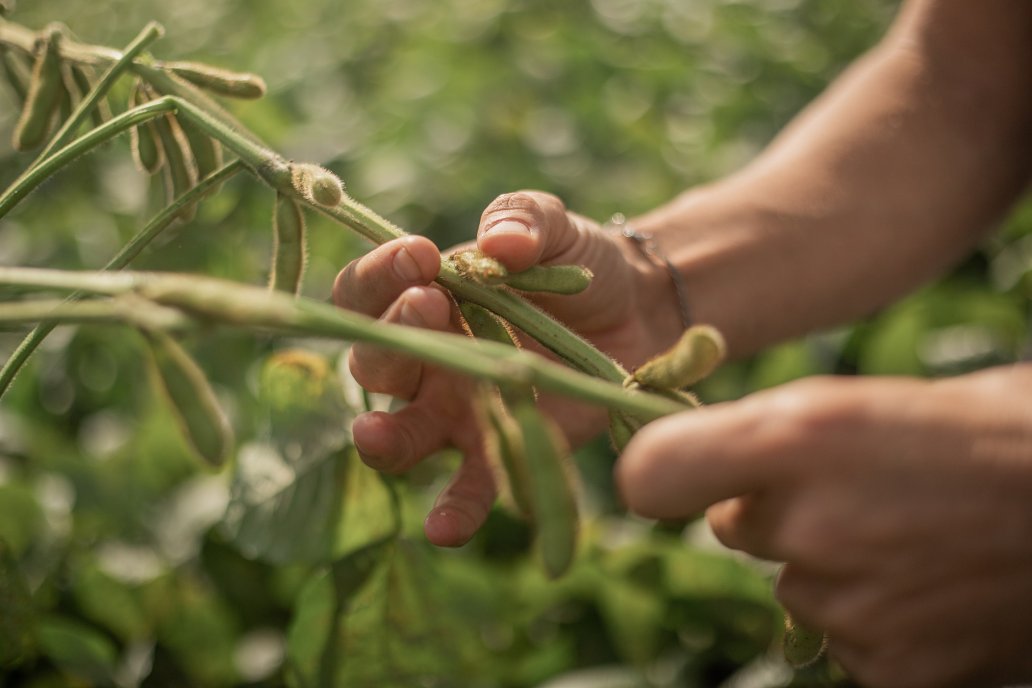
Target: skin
901	508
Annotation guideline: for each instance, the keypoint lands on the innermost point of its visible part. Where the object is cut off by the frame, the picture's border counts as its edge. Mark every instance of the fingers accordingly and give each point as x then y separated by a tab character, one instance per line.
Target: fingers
463	506
679	465
371	283
395	442
388	372
523	228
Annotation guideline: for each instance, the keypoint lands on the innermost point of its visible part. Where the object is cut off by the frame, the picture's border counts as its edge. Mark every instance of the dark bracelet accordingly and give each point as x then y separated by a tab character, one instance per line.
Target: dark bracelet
650	249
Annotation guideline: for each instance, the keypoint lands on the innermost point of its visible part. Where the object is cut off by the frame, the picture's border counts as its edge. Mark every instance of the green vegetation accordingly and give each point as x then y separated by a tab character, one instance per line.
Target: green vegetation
125	561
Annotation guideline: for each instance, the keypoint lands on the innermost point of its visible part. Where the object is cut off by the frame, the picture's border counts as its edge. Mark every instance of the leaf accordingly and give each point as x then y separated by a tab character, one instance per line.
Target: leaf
78	649
17	623
21	518
302	494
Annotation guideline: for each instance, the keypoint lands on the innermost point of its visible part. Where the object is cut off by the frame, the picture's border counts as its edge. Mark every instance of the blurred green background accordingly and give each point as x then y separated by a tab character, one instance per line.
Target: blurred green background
119	565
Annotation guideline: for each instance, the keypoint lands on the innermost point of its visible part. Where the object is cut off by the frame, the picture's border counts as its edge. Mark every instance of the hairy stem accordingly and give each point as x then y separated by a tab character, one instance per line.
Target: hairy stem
221	301
127	253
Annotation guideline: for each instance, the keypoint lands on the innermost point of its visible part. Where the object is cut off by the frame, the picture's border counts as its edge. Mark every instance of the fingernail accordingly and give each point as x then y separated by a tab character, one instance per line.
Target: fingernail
405	266
508	227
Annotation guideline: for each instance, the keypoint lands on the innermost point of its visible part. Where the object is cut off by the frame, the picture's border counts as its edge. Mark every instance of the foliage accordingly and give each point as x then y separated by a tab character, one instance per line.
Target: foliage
125	562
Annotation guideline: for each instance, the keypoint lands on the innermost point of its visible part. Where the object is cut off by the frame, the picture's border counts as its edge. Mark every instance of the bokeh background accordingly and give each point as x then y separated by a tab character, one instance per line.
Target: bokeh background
427	110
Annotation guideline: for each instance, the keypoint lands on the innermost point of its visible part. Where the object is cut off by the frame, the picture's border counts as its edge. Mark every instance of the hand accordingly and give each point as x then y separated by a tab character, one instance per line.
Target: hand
901	508
394	282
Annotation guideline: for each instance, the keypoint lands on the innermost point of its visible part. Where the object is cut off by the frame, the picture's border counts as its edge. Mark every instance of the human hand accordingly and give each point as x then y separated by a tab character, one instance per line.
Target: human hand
901	508
618	313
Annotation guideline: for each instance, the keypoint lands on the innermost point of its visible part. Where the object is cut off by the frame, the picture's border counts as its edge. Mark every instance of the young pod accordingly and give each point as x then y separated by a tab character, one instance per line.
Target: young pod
143	138
17	73
288	245
486	325
217	80
180	167
70	94
317	184
699	351
802	646
207	152
83	77
621	429
505	449
192	399
553	496
555	279
46	88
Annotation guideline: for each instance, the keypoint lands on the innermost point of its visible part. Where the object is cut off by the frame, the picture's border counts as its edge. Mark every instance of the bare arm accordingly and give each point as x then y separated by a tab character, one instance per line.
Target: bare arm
885	181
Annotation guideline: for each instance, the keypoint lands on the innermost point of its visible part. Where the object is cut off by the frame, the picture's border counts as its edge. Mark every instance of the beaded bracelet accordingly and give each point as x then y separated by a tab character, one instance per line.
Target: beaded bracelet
648	247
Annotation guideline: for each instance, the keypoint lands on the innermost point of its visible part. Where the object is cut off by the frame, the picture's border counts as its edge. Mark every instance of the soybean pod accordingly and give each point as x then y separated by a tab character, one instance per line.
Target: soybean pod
553	498
288	248
44	95
190	397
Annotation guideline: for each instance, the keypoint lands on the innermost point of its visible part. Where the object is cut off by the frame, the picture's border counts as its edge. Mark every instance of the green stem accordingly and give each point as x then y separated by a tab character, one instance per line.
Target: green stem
38	174
122	309
247	306
127	253
521	313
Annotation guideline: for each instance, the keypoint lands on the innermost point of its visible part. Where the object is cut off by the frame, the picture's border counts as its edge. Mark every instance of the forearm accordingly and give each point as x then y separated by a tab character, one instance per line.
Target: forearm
884	182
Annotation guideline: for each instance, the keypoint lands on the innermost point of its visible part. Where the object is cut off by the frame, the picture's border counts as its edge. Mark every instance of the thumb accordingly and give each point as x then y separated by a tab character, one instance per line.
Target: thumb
678	466
524	228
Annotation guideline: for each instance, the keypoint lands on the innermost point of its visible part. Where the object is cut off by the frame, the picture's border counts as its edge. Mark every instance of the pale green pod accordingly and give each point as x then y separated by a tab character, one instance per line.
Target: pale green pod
505	449
553	495
697	354
555	279
46	88
207	152
17	73
621	429
143	138
180	167
288	247
192	399
802	646
217	80
486	325
83	76
474	265
70	94
317	184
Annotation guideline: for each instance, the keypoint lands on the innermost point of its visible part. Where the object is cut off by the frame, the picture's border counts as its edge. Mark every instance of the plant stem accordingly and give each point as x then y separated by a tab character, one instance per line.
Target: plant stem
127	253
231	303
38	174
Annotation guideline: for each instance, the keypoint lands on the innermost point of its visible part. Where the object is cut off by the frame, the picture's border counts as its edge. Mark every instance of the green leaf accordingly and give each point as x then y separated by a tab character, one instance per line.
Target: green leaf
110	603
17	623
21	518
78	649
289	490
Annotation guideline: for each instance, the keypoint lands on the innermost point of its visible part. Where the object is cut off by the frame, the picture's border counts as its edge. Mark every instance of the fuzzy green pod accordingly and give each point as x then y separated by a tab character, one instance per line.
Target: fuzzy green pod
553	496
504	445
555	279
288	247
143	138
180	168
317	184
486	325
192	399
46	88
70	94
83	77
217	80
17	73
207	152
699	351
474	265
802	646
621	429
